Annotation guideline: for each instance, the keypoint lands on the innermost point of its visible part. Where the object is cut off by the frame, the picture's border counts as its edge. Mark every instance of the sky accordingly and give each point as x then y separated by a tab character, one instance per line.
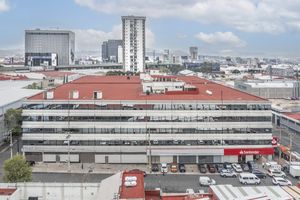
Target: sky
219	27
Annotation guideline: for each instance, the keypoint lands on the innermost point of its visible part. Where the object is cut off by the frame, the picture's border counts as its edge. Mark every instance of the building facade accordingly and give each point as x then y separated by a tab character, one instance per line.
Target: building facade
194	53
270	89
183	119
49	47
110	50
133	32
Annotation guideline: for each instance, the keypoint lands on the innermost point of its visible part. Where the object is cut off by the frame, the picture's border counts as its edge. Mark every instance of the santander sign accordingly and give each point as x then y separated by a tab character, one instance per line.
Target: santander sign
249	151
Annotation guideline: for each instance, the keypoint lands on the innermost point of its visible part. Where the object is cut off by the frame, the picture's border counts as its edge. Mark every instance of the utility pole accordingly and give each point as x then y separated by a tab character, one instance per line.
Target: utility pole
280	129
68	138
11	144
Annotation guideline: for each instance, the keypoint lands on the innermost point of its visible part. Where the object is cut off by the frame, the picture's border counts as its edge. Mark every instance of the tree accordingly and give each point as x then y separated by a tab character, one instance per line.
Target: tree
13	120
16	169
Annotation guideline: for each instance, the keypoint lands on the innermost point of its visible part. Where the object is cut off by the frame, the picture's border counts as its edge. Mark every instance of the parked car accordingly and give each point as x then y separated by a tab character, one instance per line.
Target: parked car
164	168
228	173
181	167
211	168
138	171
281	181
227	165
276	173
189	191
174	168
219	167
206	181
249	178
155	167
252	165
259	174
237	167
202	168
245	167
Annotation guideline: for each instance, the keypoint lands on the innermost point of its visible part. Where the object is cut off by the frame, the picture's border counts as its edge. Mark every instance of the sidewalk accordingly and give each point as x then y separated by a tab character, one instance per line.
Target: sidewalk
86	168
98	168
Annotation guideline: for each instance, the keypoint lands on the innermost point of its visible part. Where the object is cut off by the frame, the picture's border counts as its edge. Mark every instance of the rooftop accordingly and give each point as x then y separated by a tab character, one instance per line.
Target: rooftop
132	192
130	88
7	191
295	116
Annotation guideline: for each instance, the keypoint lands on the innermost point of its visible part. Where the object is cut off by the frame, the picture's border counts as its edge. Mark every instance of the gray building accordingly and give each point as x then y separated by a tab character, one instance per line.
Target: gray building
110	50
49	47
194	53
270	89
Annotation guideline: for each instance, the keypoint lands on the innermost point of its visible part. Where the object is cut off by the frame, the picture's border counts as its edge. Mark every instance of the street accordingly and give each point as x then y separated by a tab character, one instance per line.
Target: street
168	182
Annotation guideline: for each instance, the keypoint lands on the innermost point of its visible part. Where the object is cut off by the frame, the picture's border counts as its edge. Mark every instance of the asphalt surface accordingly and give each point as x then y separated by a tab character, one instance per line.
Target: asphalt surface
168	182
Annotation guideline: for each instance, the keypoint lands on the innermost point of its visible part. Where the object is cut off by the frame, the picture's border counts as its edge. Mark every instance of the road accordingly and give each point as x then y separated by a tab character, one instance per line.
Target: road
168	182
285	139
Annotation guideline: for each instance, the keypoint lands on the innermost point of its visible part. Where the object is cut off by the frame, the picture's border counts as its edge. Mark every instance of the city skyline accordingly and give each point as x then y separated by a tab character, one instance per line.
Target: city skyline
243	28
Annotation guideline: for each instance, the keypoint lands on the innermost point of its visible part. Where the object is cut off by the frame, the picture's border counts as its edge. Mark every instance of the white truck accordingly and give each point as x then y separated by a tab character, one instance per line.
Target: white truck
295	171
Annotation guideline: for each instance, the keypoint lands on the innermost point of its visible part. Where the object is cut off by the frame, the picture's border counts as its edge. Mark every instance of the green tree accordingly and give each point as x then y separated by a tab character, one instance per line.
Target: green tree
13	120
16	169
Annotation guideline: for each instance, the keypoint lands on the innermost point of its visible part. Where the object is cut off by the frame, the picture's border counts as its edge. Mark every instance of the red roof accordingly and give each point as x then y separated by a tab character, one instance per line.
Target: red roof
5	77
295	116
133	192
123	88
7	191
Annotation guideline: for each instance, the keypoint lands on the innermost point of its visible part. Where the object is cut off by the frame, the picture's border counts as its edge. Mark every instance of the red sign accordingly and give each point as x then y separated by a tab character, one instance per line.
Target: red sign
250	151
274	141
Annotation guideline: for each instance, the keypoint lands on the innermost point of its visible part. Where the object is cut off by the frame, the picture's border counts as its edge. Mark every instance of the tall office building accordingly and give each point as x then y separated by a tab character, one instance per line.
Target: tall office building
194	53
49	47
110	50
133	43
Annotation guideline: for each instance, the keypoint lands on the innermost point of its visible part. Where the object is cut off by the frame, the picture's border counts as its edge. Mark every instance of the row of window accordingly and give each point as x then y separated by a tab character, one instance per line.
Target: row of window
149	130
146	119
145	142
146	107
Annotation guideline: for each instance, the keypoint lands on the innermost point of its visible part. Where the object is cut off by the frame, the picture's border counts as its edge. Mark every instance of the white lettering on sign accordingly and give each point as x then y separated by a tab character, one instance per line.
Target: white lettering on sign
248	152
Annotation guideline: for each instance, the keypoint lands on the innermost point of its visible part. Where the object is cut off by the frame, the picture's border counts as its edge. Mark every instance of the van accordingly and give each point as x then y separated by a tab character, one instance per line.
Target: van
248	178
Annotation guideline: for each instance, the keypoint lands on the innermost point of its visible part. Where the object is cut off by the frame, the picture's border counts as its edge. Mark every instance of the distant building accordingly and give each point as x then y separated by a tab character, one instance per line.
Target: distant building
133	43
270	89
110	50
280	70
49	47
120	54
194	53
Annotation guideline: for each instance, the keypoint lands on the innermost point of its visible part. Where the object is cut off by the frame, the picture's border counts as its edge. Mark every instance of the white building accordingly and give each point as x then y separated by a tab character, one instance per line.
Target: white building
133	43
119	119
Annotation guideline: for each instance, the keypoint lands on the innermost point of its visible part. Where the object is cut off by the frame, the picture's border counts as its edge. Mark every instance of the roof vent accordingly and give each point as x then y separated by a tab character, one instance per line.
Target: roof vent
208	92
74	94
49	95
97	95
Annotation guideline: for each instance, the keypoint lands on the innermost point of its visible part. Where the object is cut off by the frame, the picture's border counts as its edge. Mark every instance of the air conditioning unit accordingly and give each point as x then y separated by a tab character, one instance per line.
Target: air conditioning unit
97	95
49	95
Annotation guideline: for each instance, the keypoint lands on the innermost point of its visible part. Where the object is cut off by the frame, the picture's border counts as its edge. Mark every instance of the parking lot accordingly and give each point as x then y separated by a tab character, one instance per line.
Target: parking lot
179	182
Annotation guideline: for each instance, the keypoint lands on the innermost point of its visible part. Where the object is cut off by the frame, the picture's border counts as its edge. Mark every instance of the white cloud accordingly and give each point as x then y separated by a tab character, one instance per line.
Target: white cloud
270	16
91	39
220	38
4	6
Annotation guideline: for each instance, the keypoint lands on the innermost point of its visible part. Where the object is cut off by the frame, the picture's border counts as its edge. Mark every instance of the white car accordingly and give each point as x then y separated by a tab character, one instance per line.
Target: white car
164	168
227	173
206	181
276	173
281	181
237	167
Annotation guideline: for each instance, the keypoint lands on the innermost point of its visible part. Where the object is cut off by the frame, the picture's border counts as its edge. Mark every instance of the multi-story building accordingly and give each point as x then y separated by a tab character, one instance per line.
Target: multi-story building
194	53
119	119
49	47
133	43
110	50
